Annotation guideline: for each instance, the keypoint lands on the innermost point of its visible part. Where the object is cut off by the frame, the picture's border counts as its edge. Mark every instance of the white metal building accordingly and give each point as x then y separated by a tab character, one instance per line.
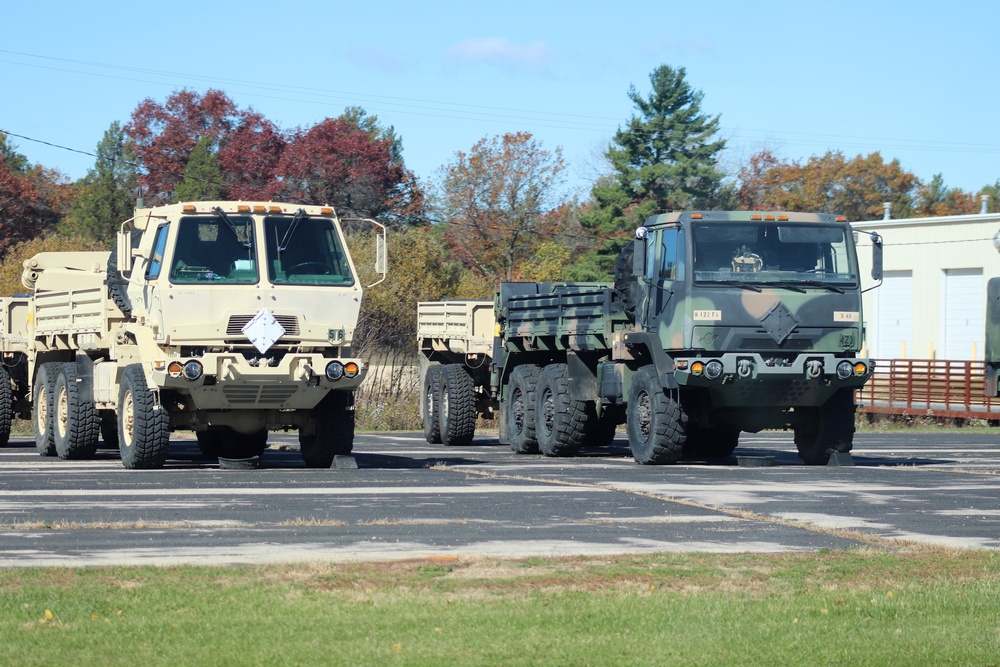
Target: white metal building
932	302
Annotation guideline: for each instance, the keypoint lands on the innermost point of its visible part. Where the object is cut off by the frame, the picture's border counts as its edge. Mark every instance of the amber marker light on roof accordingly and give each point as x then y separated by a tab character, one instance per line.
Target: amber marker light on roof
782	218
189	208
696	216
841	218
326	211
259	209
275	209
243	208
755	217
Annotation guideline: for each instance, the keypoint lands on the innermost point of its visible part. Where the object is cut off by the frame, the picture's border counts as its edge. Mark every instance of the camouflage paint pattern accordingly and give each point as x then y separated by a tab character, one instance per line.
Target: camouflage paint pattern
779	338
777	332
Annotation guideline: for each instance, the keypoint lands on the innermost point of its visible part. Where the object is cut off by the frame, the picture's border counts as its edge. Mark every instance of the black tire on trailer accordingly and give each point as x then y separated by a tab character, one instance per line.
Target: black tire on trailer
41	408
430	404
109	429
334	431
6	406
711	442
457	405
243	445
560	421
209	443
520	407
826	429
656	422
143	425
77	424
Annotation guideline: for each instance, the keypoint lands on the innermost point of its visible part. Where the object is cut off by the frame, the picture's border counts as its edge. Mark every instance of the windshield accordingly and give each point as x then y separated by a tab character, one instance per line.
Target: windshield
209	250
311	255
773	253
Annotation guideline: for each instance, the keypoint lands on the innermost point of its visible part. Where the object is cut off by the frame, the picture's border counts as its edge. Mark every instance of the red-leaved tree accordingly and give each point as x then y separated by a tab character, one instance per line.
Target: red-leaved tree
249	158
23	212
338	163
163	136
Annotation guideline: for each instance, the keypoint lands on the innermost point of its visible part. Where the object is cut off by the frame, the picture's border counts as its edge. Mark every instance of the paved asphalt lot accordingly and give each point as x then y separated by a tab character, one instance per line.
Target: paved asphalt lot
408	499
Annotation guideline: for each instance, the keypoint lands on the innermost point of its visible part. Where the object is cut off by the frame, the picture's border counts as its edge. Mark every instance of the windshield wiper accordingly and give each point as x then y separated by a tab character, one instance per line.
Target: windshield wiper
228	224
820	283
738	283
299	215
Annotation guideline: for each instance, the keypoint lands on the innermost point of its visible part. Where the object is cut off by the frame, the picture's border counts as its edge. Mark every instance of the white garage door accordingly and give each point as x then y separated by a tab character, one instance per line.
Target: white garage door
894	319
964	307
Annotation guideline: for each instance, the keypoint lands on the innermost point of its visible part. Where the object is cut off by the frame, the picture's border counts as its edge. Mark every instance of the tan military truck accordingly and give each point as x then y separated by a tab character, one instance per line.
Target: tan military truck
229	319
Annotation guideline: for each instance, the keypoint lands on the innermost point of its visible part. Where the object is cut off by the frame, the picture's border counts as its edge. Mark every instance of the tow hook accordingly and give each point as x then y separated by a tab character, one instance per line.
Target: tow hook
743	367
814	369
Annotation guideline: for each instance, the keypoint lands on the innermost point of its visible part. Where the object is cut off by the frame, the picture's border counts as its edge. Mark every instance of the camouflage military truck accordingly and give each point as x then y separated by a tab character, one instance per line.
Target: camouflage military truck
993	336
229	319
717	323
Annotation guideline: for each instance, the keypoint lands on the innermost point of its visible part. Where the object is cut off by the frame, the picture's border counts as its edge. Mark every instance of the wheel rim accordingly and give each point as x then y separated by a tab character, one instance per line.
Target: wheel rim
42	410
62	412
643	415
429	402
128	420
517	411
548	410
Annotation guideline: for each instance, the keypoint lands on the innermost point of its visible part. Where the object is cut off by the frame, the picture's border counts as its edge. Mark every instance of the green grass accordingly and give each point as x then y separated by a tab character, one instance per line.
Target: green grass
928	607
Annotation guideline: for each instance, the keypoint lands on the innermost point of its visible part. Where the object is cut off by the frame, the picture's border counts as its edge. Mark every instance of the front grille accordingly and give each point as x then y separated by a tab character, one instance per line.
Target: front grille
289	323
765	343
272	394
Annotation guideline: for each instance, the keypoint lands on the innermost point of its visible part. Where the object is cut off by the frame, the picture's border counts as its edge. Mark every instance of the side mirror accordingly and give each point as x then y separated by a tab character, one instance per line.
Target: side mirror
124	249
639	252
876	257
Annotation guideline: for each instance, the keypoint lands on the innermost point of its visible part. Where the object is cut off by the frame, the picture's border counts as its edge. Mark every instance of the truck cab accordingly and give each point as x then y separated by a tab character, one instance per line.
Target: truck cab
758	317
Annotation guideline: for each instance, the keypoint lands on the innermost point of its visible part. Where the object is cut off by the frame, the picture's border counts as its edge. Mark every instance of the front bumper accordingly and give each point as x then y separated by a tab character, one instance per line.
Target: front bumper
748	379
230	381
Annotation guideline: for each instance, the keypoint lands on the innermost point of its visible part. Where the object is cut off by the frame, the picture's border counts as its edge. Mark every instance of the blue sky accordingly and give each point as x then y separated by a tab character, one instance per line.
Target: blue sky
915	81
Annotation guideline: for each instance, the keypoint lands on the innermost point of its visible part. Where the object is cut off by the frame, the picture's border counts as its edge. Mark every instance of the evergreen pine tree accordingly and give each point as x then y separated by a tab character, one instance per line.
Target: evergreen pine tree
663	160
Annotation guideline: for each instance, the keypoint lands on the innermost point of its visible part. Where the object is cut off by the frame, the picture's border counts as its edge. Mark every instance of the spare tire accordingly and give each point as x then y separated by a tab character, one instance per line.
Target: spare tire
117	285
625	284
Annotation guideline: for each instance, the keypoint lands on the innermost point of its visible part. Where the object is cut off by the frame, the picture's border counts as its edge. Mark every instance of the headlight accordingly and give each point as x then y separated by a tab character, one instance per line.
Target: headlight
713	369
193	370
845	369
334	371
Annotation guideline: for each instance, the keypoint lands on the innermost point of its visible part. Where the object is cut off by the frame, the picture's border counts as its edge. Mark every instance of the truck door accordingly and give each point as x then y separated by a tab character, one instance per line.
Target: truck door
664	278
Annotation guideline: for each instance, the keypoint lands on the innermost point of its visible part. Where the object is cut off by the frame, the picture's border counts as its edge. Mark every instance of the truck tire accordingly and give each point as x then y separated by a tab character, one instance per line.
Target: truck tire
209	443
143	426
560	420
519	409
826	429
244	445
429	404
41	408
711	442
334	431
457	406
656	422
77	424
6	406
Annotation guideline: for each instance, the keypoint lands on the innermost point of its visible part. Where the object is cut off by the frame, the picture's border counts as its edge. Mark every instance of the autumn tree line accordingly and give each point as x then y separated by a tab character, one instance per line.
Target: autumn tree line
498	211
